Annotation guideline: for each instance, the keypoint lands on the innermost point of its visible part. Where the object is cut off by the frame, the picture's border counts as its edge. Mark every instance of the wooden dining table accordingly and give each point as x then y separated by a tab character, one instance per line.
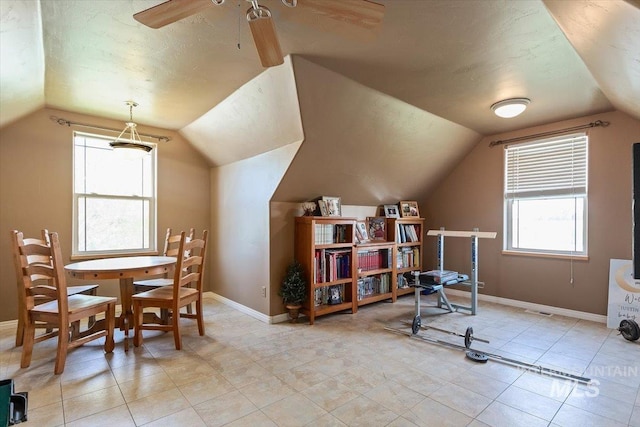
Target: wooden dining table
125	269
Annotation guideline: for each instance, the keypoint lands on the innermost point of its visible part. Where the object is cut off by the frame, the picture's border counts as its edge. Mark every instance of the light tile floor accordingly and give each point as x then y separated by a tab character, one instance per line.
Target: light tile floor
344	370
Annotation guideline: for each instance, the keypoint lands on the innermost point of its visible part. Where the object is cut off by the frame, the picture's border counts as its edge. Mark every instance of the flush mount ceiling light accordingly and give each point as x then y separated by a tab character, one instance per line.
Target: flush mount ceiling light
510	107
134	141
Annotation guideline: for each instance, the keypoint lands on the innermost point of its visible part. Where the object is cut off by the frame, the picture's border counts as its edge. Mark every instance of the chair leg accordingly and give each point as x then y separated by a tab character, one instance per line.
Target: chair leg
137	323
110	320
20	331
199	317
63	346
175	319
27	344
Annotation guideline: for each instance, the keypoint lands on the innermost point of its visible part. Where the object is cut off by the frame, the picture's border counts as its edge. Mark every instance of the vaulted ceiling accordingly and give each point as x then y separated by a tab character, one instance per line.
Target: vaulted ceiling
452	58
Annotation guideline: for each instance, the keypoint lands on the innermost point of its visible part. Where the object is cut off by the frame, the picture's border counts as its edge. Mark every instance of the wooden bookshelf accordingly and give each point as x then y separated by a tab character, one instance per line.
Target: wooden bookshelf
408	236
325	248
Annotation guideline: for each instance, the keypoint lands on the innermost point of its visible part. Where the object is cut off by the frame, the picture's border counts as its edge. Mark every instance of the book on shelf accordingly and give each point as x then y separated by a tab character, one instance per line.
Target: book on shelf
403	283
329	295
407	233
373	285
374	259
408	257
332	264
326	234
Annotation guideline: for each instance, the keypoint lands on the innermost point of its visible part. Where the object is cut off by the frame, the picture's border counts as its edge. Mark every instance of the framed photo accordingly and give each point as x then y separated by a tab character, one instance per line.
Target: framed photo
361	230
409	210
376	226
334	208
391	211
322	206
335	296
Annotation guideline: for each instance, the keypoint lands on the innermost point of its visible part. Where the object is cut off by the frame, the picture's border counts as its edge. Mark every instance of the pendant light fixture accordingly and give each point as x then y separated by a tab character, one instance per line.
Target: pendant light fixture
134	141
509	108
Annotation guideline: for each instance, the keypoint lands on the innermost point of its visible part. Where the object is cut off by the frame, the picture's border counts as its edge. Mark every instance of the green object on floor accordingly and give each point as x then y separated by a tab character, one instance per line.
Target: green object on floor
13	406
6	390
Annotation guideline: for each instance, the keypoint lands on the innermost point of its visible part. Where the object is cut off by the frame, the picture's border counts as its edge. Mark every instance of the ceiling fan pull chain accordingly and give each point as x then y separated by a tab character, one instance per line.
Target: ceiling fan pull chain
290	3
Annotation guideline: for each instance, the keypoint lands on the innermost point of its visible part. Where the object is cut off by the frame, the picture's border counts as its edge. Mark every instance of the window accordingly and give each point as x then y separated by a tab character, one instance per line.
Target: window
546	196
114	206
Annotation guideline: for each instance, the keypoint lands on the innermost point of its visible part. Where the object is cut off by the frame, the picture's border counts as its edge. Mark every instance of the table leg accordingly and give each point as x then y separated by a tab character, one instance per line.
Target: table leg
126	317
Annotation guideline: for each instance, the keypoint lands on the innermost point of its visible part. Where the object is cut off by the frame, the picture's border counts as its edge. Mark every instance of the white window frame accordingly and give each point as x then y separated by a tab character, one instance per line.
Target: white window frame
77	195
552	168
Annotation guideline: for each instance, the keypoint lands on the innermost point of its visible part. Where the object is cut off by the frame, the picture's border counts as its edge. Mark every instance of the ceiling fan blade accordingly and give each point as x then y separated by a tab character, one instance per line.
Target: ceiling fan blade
362	13
170	11
264	35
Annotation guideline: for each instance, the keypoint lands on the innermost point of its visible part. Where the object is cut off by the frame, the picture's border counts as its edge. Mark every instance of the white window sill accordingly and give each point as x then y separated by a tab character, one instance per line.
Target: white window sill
546	255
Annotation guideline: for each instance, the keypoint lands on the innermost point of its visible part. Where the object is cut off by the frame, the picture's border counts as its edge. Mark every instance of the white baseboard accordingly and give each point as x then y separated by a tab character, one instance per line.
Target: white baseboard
284	317
599	318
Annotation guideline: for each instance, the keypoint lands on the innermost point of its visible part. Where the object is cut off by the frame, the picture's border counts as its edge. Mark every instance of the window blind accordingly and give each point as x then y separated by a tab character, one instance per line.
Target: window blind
547	168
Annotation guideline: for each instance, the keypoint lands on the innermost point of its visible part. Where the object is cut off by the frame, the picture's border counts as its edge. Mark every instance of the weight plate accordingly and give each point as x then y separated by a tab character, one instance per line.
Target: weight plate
629	330
415	327
636	328
477	356
468	337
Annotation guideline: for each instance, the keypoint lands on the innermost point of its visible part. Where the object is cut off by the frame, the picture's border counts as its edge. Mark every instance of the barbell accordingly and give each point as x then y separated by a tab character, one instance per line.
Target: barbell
468	334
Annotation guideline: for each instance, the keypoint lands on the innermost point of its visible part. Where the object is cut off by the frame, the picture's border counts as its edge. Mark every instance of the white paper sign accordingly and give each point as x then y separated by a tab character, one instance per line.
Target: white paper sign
624	293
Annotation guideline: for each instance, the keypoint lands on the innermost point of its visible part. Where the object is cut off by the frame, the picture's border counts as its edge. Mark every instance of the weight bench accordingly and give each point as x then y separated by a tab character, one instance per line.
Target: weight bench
423	283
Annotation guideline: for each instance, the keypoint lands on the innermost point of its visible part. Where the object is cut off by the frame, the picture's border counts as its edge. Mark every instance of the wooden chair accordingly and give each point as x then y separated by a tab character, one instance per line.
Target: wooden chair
39	299
40	266
190	268
171	244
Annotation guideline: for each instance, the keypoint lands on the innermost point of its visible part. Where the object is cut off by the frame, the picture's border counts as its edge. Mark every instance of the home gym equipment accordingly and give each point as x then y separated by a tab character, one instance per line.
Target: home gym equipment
472	282
629	329
483	356
468	335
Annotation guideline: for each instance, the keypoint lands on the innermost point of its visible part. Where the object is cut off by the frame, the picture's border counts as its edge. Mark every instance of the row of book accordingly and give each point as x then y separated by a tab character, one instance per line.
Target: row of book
373	285
408	257
329	295
374	259
332	264
326	234
407	233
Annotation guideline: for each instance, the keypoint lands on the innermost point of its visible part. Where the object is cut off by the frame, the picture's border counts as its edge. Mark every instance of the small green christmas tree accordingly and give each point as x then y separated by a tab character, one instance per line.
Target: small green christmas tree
294	286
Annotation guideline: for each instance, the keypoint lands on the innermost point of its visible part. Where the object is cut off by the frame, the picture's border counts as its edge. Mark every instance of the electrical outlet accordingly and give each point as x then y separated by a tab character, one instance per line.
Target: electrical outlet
264	291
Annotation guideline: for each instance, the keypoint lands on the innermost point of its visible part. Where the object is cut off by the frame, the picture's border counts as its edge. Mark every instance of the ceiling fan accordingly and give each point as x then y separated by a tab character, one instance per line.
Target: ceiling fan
362	13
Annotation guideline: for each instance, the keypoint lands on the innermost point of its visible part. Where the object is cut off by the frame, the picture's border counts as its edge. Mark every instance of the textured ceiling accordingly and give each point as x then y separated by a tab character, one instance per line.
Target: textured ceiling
450	58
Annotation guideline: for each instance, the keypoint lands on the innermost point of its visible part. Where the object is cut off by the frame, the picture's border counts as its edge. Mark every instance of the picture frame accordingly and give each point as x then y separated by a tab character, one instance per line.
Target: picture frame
335	296
333	205
409	209
361	228
391	211
377	228
322	207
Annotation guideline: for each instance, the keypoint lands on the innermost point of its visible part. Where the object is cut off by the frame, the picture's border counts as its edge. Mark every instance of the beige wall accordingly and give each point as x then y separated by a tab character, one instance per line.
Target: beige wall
36	188
365	146
471	196
242	234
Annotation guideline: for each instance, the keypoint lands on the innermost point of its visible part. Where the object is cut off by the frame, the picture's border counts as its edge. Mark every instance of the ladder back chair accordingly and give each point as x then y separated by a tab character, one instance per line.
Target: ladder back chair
189	270
39	299
42	273
171	245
